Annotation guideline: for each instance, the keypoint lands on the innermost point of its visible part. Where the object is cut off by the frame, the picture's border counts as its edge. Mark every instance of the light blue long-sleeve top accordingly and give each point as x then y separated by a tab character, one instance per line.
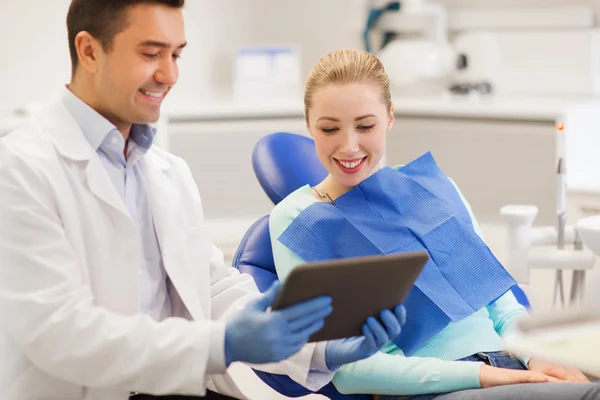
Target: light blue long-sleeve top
432	368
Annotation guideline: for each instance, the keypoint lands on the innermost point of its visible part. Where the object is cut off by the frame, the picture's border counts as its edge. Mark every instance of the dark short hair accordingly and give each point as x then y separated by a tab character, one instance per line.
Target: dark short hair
103	19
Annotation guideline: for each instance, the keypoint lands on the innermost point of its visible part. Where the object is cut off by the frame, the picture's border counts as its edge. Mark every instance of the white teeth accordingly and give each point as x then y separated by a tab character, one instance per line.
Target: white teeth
152	94
350	165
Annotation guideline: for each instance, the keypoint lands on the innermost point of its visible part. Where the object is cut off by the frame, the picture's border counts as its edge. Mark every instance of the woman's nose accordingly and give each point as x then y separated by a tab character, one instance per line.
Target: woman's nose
350	145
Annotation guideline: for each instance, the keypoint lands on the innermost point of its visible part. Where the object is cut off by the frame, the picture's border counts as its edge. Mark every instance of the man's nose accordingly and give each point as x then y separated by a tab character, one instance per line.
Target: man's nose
168	73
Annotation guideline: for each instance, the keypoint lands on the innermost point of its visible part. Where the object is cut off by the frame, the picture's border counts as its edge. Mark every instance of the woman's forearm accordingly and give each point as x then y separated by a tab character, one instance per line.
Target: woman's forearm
398	375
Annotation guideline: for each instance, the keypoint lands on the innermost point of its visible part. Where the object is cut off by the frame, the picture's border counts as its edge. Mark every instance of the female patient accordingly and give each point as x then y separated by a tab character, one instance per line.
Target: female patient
451	346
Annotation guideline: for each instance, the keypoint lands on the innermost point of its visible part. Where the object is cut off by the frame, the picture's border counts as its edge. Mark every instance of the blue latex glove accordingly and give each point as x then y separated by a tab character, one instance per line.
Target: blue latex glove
375	336
259	336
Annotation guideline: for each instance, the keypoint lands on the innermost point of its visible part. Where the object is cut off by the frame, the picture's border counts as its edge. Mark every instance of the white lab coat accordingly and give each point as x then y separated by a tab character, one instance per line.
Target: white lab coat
71	328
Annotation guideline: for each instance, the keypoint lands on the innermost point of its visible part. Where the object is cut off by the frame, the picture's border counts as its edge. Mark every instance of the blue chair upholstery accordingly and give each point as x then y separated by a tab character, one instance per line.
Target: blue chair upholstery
284	162
254	255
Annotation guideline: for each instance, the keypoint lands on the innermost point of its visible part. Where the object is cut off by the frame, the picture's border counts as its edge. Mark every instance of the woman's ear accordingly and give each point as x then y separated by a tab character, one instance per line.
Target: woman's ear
391	118
309	130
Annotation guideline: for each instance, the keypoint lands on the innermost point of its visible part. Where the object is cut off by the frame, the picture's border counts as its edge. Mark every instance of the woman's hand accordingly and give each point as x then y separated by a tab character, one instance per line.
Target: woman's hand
564	374
494	376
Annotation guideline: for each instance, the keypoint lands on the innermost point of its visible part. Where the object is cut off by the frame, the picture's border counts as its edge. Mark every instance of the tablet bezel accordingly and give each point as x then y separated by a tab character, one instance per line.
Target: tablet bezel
386	278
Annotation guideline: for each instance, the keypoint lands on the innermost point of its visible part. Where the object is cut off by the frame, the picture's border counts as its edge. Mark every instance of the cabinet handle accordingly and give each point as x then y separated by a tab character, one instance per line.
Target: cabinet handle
590	209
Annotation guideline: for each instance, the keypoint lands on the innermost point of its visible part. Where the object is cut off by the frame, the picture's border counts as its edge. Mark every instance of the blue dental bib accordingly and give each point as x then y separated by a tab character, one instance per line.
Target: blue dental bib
415	208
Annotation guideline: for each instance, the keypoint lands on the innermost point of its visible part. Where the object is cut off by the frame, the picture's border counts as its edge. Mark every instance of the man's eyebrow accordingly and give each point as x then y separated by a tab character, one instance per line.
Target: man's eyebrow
157	43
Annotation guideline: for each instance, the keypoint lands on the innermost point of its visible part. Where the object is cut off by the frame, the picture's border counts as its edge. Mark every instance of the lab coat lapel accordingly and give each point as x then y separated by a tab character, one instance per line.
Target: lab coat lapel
72	145
102	187
170	231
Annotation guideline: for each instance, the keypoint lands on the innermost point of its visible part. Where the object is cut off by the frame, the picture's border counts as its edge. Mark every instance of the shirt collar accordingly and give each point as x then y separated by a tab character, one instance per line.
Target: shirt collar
96	128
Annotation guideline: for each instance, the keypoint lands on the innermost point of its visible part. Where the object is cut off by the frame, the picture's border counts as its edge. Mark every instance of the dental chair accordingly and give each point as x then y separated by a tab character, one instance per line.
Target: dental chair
282	163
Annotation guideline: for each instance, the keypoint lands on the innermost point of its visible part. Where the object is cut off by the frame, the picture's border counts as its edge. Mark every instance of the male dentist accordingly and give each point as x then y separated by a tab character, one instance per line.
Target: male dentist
109	286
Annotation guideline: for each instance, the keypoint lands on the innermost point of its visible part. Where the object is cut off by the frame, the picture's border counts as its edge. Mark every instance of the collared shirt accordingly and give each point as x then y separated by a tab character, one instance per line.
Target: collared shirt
128	178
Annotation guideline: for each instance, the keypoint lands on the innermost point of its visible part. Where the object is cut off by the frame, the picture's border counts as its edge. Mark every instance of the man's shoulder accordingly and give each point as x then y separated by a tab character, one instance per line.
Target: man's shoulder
27	142
35	140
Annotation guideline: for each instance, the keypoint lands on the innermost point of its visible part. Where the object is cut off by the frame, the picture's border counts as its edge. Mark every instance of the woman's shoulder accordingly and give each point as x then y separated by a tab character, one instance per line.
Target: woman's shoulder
290	207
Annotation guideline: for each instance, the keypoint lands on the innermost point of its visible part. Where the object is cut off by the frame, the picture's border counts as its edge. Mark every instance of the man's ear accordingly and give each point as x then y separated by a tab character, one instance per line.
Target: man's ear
88	49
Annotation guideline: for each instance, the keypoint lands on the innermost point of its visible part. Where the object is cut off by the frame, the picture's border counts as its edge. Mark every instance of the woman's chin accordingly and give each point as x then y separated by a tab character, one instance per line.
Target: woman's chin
350	181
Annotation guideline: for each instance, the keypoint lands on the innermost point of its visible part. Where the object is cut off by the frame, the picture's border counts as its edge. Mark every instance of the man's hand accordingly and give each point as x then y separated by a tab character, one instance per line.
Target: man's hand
375	336
257	336
556	371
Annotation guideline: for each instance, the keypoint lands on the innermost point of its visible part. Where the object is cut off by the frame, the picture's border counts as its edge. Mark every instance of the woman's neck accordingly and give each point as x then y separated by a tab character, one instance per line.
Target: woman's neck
331	188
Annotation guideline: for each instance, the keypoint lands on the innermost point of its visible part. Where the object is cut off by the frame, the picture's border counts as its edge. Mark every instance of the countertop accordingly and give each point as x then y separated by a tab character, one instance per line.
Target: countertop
547	109
482	107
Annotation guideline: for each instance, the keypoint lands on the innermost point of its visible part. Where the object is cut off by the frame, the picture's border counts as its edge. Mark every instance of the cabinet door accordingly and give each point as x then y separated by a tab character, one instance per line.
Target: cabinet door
220	157
493	162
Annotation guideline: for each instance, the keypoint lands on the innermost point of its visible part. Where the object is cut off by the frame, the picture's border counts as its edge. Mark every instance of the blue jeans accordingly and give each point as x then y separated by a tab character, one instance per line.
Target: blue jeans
500	359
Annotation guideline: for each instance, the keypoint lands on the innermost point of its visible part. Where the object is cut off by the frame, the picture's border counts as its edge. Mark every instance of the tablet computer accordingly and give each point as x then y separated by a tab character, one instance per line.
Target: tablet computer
360	287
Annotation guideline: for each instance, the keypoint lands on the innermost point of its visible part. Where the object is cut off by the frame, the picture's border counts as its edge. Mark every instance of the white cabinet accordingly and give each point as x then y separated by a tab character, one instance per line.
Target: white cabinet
494	162
219	153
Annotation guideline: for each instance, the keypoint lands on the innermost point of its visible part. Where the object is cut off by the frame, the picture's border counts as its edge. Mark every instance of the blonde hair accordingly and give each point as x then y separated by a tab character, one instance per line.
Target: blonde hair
347	66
